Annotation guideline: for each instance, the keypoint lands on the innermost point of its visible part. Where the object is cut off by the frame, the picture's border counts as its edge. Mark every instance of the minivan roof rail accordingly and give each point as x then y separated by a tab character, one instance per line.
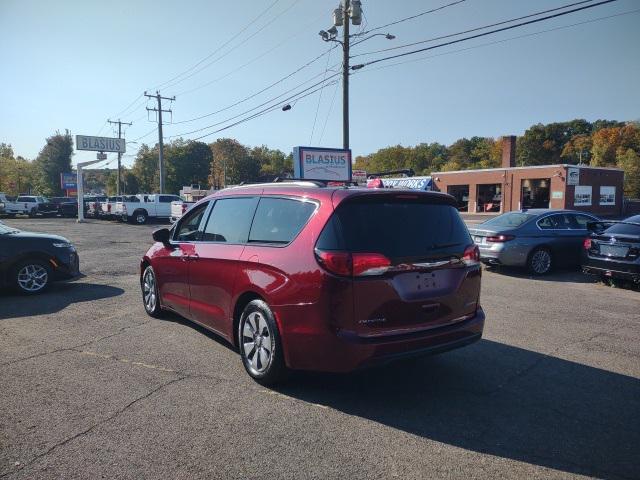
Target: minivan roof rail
300	181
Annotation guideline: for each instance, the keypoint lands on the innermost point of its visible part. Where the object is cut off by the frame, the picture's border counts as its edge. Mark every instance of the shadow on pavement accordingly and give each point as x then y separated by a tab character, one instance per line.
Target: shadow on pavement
498	400
56	298
558	275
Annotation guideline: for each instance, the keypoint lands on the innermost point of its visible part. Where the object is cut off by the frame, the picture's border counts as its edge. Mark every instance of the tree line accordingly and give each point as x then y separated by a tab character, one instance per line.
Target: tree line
603	143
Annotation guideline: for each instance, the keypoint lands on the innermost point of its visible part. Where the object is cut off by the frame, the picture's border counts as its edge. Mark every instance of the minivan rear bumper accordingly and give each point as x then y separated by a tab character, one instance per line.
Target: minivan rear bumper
335	350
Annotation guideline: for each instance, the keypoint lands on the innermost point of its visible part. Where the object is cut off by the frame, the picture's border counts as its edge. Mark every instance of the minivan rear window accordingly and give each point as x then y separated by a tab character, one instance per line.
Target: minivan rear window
279	220
396	228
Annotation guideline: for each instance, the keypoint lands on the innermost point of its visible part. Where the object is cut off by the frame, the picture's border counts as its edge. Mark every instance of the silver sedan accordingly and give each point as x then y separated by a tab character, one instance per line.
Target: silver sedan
538	239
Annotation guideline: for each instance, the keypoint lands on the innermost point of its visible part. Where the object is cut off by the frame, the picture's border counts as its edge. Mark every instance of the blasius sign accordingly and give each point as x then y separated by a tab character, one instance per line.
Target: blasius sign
101	144
329	164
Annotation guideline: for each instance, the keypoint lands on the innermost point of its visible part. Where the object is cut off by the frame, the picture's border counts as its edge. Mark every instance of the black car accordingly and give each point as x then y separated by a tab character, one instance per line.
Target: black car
29	261
613	250
66	206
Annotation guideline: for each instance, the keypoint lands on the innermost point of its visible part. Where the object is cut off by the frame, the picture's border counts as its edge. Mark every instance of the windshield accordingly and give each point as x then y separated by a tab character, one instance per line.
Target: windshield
509	220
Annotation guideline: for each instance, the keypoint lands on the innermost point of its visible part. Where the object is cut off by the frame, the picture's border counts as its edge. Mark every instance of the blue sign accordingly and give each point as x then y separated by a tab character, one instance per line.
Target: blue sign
68	181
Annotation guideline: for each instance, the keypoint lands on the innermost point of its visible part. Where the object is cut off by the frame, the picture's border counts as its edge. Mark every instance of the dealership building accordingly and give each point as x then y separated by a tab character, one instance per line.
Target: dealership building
496	190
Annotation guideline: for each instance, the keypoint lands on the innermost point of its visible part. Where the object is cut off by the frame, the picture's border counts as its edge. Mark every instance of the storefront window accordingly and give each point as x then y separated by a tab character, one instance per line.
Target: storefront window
535	193
607	195
461	194
582	196
489	198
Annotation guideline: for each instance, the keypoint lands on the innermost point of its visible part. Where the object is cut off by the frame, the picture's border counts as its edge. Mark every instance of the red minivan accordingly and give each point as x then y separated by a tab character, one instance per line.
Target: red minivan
303	276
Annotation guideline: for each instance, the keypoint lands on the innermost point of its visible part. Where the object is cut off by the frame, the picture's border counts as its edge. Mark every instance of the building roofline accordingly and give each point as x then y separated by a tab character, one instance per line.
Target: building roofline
560	165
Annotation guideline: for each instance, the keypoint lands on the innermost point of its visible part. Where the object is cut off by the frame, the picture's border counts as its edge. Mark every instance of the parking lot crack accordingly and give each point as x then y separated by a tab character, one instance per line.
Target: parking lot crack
74	347
95	425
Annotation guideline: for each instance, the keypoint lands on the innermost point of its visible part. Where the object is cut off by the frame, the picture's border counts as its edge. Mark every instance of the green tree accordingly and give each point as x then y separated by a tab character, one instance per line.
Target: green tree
272	162
130	182
231	164
54	159
186	163
112	180
145	169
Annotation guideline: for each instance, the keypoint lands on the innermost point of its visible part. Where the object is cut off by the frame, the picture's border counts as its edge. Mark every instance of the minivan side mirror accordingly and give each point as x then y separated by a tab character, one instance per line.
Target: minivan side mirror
162	235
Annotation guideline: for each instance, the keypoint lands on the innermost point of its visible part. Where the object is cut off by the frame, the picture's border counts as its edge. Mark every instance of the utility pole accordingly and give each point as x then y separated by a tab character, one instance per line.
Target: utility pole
349	11
159	98
120	123
345	78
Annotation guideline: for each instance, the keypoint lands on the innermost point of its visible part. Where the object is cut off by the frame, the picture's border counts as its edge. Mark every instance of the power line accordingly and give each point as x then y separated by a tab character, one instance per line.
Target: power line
442	7
233	48
510	27
263	90
501	41
315	118
260	15
441	37
333	99
145	135
255	108
263	112
255	59
129	106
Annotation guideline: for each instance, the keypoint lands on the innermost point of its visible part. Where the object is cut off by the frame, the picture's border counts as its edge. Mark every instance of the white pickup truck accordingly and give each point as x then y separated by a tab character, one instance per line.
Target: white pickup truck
23	205
178	209
156	206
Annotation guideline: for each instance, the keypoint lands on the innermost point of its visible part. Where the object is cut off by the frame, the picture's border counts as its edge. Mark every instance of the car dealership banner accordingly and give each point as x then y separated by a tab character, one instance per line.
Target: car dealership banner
68	181
328	164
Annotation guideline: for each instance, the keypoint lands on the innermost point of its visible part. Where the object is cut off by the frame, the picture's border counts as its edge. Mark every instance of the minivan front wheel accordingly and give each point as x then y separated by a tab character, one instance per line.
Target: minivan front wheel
150	297
259	344
540	261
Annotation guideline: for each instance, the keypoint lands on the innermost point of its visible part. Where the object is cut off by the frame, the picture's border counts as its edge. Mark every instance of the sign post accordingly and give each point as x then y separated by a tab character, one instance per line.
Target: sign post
326	164
80	183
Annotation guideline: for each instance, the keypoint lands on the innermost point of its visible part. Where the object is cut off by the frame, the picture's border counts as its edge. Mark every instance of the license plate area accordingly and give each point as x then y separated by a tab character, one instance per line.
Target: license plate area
614	251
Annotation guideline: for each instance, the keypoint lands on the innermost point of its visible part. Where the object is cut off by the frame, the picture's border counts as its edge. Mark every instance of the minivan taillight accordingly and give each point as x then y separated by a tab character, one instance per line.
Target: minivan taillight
353	264
471	255
365	264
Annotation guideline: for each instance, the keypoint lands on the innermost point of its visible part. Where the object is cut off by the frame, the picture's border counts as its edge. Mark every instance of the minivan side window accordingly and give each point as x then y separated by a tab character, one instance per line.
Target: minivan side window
187	229
230	220
279	220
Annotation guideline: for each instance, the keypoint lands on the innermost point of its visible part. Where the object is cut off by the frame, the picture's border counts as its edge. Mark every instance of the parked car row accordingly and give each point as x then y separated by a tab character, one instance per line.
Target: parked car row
541	239
132	208
33	205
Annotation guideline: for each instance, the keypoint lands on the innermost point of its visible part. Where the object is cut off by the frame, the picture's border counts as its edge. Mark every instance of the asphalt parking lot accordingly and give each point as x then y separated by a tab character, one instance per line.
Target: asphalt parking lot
91	387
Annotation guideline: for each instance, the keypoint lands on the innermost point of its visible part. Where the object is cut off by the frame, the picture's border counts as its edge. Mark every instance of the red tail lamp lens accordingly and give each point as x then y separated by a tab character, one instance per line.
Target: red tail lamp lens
500	238
356	264
471	254
369	264
335	262
587	244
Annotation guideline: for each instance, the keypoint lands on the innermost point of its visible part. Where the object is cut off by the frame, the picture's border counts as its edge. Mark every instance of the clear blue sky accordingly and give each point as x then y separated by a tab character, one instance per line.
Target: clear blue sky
71	64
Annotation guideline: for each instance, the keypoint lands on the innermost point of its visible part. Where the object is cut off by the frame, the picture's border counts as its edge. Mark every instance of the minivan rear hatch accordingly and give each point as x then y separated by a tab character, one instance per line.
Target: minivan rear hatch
412	262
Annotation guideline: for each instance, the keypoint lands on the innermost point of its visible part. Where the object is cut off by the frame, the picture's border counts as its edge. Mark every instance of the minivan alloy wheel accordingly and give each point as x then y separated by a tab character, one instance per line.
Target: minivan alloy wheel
257	342
149	294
